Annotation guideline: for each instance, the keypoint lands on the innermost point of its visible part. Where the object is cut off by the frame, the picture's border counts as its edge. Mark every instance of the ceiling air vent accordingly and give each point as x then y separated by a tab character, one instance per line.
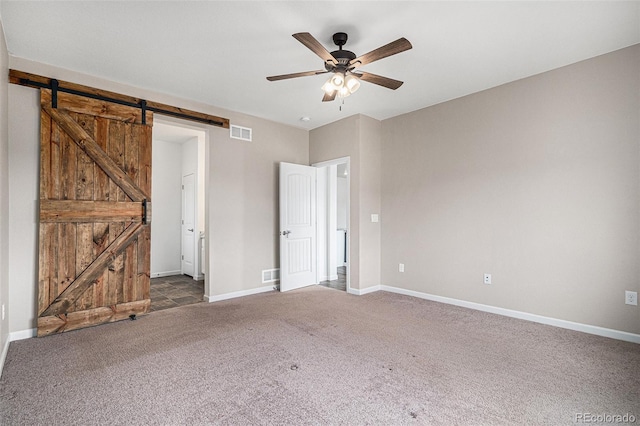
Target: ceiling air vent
242	133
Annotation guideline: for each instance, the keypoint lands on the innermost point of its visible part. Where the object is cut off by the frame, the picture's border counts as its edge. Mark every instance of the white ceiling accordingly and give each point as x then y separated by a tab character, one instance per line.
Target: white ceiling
219	52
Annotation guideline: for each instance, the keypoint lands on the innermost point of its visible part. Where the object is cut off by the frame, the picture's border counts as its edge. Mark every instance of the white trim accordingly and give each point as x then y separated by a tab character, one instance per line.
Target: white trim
332	278
336	161
362	292
165	274
570	325
3	355
333	162
23	334
208	139
241	293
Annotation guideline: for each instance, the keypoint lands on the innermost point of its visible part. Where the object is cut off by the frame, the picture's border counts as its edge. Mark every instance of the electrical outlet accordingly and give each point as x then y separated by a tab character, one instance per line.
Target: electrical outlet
487	278
631	298
401	267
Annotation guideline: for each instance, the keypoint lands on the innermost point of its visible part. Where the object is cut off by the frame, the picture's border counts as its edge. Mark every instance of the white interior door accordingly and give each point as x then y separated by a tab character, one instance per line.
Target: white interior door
188	224
297	226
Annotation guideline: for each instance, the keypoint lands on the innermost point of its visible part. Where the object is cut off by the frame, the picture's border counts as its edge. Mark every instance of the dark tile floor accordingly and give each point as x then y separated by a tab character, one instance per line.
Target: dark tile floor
176	290
340	283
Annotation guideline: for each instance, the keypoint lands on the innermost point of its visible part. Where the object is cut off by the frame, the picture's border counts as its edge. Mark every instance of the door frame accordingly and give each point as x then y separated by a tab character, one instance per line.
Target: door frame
194	243
335	162
177	122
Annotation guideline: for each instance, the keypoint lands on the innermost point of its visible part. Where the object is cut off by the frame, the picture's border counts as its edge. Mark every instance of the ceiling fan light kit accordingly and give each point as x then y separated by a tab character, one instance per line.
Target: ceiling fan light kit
342	63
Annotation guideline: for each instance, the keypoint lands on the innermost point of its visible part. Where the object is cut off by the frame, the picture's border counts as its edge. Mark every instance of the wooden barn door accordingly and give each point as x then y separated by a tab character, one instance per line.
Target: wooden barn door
95	187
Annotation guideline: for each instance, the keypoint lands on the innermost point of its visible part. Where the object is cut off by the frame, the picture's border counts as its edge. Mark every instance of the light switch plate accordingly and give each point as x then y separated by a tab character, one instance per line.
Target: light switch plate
374	218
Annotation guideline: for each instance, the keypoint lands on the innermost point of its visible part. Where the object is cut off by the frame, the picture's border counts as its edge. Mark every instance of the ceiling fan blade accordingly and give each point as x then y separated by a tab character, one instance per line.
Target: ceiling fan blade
379	80
329	96
400	45
315	46
295	75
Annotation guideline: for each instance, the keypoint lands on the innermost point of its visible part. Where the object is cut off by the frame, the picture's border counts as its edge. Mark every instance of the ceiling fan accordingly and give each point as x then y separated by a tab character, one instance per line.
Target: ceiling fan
343	64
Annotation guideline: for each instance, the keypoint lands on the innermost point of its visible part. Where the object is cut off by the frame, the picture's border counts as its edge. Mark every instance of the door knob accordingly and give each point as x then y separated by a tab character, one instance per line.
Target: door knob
190	230
286	233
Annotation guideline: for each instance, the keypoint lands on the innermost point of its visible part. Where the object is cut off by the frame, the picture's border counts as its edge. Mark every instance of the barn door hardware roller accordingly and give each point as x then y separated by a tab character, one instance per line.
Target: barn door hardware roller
54	93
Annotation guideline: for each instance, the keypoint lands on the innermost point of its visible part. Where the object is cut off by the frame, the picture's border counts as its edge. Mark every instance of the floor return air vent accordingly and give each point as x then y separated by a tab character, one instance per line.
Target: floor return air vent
270	275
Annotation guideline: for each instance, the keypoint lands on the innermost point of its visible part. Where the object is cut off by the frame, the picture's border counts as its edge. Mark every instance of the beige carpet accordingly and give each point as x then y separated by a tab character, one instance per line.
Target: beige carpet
319	356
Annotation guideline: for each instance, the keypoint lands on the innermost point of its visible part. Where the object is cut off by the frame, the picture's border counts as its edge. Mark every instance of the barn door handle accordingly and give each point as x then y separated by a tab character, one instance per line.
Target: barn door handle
146	212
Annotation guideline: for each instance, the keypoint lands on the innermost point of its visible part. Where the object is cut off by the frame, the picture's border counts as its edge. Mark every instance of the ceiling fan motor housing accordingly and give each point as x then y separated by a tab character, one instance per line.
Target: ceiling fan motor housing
340	39
342	56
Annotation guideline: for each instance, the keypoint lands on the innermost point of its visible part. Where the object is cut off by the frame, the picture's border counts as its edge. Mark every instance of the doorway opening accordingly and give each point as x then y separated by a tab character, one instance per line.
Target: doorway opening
333	186
178	231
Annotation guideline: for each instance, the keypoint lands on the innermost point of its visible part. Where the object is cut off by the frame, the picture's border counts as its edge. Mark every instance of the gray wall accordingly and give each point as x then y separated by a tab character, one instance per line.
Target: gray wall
242	206
536	182
166	195
360	140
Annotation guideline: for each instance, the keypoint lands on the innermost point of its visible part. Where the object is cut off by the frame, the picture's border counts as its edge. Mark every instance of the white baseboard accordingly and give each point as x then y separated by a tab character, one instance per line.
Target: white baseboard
363	291
3	355
165	274
198	277
23	334
333	277
570	325
234	294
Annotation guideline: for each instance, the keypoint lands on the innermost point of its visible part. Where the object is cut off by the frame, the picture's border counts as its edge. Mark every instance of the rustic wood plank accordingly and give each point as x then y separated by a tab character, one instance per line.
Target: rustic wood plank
101	188
130	274
68	166
17	77
45	155
131	156
75	320
66	255
89	275
144	159
91	148
44	256
143	283
109	110
85	165
100	243
101	194
56	164
115	268
84	258
101	233
20	77
143	279
89	211
131	166
115	151
164	109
